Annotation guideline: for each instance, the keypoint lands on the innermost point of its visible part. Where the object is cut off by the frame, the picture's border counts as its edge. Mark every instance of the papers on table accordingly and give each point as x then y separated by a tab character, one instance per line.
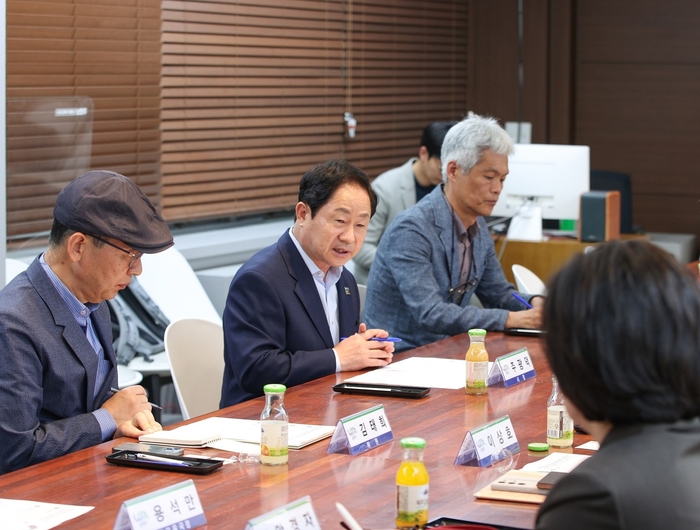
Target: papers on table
563	462
430	372
26	515
220	433
591	446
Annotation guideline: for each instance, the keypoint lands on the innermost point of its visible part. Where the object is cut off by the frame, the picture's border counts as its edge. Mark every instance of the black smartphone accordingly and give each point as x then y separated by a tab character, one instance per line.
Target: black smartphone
179	464
161	450
414	392
550	479
525	332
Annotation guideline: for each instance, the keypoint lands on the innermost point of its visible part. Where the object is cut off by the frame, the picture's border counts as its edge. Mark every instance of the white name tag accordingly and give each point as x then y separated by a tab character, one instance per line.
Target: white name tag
293	516
512	368
488	444
172	508
361	432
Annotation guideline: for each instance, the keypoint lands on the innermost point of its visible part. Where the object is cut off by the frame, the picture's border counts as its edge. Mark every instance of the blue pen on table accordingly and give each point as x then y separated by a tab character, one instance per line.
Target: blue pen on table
115	390
521	299
380	339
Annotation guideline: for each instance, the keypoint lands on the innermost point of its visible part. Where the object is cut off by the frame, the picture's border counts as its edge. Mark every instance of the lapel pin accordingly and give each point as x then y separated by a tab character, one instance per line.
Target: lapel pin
347	291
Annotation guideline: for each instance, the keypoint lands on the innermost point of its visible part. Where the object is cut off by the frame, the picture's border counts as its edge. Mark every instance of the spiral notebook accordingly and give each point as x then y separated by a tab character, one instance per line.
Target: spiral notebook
207	432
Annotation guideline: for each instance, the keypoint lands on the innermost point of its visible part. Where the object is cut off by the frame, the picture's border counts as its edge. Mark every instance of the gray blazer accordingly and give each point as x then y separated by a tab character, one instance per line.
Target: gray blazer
644	476
396	190
47	373
417	263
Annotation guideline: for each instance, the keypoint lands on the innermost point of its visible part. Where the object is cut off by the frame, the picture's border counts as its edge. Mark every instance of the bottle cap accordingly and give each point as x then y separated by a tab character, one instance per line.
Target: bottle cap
477	332
274	389
538	446
412	443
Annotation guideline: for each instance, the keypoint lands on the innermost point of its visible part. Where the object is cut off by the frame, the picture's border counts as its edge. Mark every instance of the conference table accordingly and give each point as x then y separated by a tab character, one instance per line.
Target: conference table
364	483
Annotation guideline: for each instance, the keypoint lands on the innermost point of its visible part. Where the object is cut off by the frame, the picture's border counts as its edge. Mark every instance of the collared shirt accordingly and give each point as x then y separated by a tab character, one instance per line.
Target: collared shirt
327	292
464	236
81	312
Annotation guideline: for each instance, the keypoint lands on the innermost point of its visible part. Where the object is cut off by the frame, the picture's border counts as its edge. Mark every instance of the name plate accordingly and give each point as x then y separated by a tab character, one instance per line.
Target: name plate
172	508
292	516
488	444
512	368
361	432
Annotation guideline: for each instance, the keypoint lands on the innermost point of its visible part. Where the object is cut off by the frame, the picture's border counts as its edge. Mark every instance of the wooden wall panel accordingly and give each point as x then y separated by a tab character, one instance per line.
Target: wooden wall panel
494	86
638	72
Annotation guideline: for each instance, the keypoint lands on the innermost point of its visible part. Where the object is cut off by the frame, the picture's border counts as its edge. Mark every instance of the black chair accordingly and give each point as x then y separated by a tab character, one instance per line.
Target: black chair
613	181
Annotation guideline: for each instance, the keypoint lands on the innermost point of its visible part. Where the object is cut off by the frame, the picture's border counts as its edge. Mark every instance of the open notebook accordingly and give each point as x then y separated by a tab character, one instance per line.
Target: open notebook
215	432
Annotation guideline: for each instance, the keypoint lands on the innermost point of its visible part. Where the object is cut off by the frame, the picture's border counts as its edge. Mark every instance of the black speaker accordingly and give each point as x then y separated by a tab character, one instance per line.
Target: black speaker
600	216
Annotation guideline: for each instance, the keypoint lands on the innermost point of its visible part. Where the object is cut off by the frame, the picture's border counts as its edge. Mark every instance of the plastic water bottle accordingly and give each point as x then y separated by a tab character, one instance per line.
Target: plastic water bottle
274	426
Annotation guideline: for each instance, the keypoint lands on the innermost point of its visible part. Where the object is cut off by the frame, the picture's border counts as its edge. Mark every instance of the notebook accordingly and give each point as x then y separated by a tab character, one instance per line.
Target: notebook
207	432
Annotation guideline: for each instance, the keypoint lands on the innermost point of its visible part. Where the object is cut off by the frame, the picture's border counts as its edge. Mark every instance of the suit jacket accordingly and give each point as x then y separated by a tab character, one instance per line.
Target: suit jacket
275	328
396	190
417	263
644	476
47	373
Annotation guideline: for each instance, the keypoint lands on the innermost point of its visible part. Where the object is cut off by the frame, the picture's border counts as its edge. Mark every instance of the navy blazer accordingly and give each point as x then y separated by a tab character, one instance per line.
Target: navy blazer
47	374
275	328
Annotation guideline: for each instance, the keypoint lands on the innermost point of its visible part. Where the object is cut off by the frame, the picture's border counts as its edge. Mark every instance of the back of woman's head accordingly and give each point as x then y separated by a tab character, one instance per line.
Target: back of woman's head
623	338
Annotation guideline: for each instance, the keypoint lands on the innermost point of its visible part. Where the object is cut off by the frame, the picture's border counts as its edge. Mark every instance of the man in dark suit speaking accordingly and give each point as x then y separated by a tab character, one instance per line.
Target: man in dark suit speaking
289	306
58	365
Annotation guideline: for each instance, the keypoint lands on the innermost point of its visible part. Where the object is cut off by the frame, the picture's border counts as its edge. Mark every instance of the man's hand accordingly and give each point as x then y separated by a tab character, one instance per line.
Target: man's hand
531	318
142	423
360	351
131	412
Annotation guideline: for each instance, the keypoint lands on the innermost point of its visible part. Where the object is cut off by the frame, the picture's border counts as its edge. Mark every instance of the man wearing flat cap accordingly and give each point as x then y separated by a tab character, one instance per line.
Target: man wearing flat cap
58	365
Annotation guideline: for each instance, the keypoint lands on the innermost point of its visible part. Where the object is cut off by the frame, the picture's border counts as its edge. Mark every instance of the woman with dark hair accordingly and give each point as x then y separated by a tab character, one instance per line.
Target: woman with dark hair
623	339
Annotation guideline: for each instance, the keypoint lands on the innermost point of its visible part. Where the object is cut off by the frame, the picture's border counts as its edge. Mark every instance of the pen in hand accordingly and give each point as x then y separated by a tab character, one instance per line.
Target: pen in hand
380	339
115	390
521	299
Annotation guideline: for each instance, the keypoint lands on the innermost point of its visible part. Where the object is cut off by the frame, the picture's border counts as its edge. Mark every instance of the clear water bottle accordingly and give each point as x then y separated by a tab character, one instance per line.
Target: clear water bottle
274	426
560	426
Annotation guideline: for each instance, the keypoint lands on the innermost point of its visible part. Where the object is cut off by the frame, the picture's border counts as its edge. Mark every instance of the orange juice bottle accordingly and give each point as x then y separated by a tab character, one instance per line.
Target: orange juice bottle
412	486
477	363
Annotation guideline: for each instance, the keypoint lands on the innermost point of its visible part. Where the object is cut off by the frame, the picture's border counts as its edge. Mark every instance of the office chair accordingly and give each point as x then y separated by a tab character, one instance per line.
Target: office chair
527	281
195	350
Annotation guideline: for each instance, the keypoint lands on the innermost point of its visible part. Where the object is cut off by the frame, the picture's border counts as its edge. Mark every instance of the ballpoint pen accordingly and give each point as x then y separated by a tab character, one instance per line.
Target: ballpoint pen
381	339
162	460
348	519
115	390
521	299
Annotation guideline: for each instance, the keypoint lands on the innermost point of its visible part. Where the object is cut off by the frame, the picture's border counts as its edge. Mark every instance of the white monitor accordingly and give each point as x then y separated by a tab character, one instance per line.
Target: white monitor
553	176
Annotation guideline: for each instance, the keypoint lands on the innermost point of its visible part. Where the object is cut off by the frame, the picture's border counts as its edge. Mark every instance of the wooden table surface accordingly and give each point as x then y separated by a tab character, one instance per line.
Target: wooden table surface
364	483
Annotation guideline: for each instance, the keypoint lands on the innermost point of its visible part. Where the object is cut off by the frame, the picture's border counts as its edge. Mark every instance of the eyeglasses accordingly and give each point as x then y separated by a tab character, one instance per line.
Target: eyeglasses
456	294
134	256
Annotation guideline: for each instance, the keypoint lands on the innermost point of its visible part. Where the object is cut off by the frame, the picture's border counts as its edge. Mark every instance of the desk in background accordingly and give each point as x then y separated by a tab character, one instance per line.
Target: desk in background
544	258
364	483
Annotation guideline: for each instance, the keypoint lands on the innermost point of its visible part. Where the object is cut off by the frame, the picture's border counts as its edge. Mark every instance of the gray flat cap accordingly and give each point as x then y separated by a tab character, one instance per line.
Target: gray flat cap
104	203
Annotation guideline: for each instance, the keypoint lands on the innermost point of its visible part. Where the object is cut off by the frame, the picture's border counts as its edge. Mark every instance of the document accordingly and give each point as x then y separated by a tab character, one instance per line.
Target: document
432	372
26	515
208	433
562	462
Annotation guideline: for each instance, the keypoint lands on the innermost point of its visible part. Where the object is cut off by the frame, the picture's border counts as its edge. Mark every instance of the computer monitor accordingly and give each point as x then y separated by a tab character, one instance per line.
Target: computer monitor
548	177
